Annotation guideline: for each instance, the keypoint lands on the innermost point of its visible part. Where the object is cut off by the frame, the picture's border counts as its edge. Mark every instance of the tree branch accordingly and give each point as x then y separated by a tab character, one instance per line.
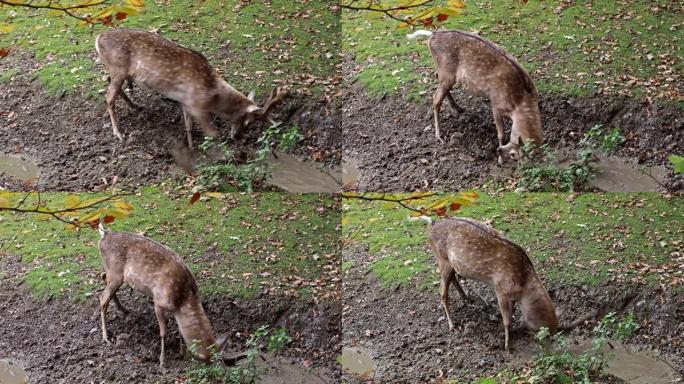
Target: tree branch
56	213
392	199
389	12
56	6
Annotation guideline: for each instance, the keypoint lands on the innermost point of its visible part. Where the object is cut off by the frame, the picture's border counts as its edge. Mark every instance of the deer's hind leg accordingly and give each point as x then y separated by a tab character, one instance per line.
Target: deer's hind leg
443	89
447	274
161	319
109	292
126	98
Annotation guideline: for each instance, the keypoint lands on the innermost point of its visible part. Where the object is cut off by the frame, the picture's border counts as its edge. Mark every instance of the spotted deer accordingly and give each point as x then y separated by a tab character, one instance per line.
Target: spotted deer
159	273
180	74
486	70
470	249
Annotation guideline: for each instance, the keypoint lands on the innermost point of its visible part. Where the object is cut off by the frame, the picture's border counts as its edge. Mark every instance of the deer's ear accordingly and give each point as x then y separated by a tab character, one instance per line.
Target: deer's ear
253	108
221	341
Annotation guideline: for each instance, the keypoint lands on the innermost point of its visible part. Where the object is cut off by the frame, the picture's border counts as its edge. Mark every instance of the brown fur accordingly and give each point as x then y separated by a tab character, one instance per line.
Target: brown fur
160	274
178	73
487	70
472	250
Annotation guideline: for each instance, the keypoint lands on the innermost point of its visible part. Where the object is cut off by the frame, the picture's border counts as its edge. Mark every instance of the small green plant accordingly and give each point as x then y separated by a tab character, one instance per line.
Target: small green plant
247	373
677	163
227	174
544	175
280	137
606	142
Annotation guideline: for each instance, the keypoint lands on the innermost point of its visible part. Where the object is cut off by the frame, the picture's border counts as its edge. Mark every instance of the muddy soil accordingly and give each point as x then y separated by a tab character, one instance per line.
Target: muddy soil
57	341
406	334
70	138
392	143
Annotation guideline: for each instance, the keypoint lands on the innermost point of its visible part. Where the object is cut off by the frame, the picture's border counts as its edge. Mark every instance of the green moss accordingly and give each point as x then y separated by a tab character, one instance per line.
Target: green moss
601	41
262	43
237	245
577	239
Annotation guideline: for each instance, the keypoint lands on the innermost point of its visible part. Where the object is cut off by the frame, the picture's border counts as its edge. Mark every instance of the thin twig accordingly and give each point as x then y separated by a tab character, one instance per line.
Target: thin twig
383	197
389	12
56	213
56	6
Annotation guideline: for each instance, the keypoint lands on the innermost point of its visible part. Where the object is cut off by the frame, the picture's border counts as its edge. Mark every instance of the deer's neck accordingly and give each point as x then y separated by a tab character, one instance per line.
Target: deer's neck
527	121
195	327
536	305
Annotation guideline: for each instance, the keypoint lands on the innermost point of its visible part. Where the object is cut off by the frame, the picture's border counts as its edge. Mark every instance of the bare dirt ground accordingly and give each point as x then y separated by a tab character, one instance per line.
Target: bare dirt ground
392	143
57	341
70	139
406	334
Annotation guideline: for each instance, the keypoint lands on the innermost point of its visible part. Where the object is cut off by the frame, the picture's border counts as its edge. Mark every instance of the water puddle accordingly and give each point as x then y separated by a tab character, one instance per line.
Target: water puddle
292	175
19	167
10	373
357	362
350	173
621	175
624	362
277	370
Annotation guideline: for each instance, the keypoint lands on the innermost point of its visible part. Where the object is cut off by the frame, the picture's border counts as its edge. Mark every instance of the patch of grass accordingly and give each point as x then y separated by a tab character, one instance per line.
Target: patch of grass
571	238
545	175
561	365
236	244
568	48
7	75
255	46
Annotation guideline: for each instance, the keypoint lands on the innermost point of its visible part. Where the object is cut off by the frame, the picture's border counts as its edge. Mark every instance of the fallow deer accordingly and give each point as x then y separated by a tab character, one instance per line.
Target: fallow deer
180	74
486	70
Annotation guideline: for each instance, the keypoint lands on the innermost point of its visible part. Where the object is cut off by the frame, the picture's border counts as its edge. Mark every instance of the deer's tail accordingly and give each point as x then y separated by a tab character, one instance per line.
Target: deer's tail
101	229
423	217
419	33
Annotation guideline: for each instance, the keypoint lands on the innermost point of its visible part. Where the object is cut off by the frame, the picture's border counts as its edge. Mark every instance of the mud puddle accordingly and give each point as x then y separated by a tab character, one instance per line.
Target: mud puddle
624	361
622	175
350	173
278	370
11	373
357	362
293	175
19	167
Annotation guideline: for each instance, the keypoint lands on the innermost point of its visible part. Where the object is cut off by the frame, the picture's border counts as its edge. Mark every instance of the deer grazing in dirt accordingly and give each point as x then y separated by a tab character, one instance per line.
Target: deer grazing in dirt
180	74
470	249
159	273
486	70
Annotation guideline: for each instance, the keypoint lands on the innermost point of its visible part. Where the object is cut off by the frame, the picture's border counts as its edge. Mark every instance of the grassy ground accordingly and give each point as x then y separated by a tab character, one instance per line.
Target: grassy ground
236	245
256	45
593	238
571	48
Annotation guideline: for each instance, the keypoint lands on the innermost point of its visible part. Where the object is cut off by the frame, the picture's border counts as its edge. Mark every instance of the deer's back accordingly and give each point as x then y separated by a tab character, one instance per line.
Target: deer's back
148	267
481	66
154	61
478	252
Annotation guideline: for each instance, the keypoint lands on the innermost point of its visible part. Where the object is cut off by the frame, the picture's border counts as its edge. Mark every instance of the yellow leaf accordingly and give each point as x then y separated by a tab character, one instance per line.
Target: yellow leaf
456	4
122	205
72	201
114	212
6	28
448	11
215	195
4	203
136	3
344	221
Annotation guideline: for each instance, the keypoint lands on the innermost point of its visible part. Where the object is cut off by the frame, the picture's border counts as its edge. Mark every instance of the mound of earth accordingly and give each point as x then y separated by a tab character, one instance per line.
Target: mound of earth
70	138
406	333
392	143
58	341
